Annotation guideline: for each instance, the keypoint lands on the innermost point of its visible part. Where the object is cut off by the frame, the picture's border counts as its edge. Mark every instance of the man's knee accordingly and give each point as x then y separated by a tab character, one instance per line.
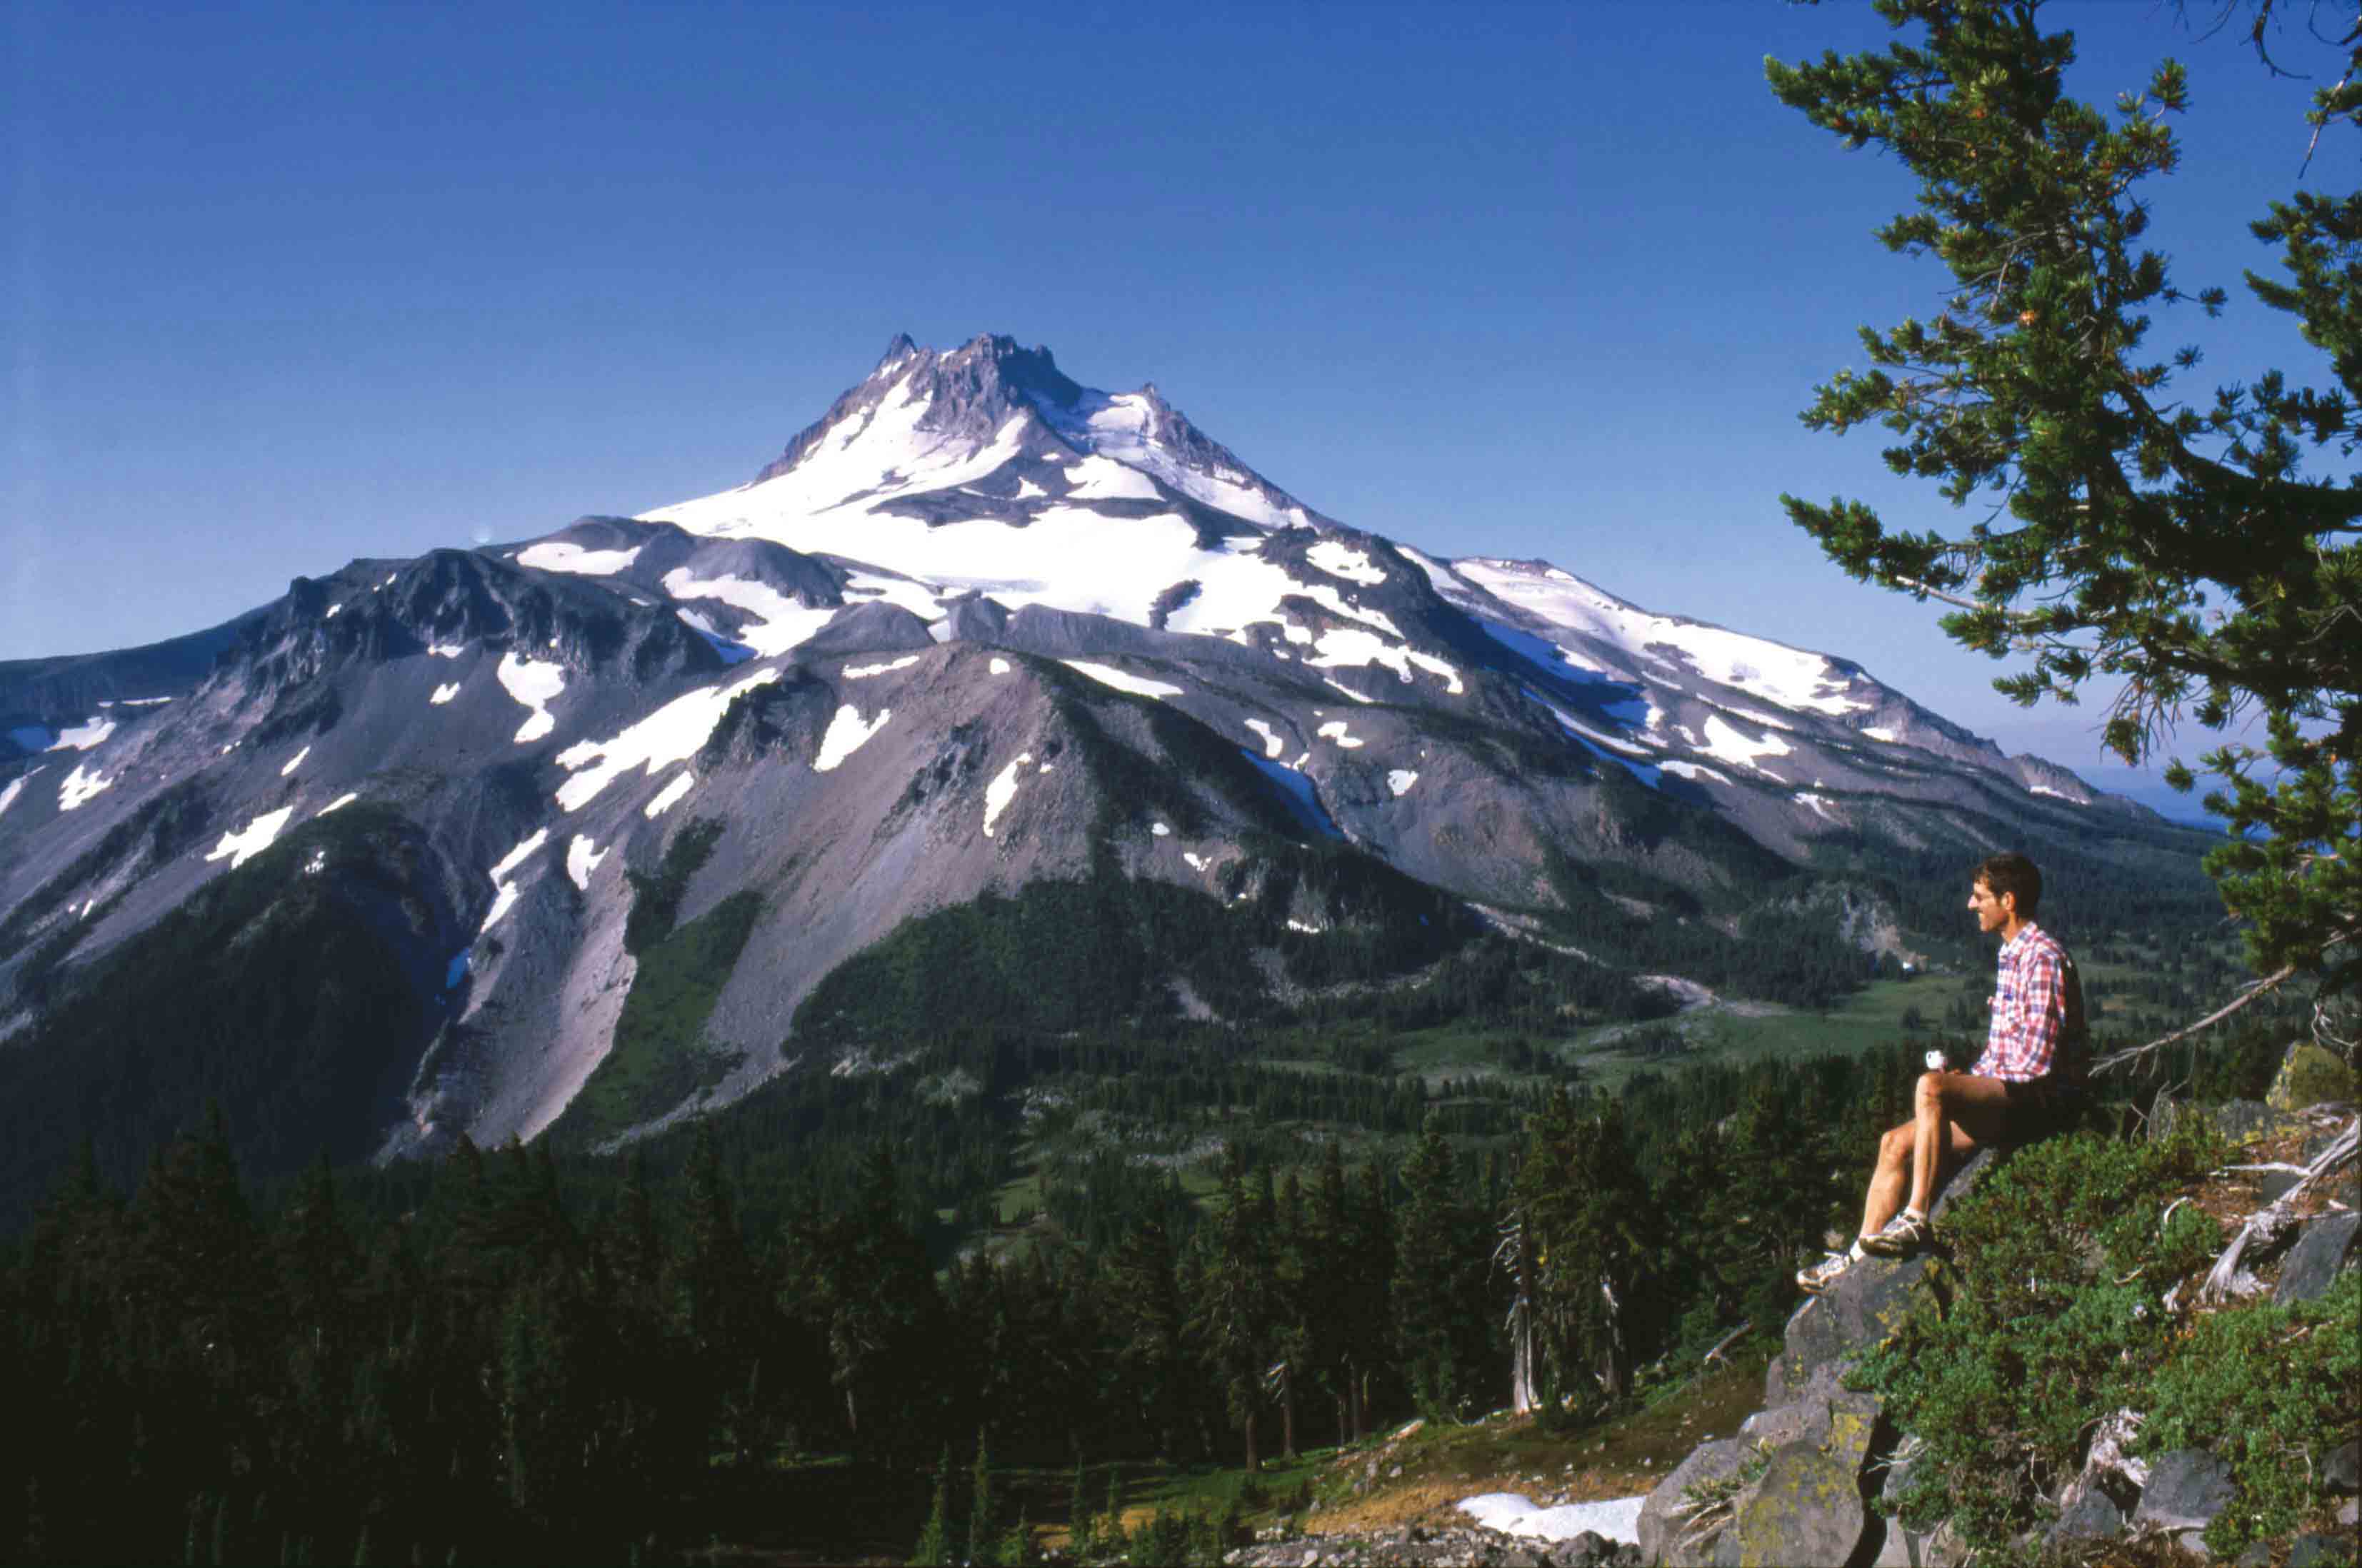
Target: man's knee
1931	1089
1894	1144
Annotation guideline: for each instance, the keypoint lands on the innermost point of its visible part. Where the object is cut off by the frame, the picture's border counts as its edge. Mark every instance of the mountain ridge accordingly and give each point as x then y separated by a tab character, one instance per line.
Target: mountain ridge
978	628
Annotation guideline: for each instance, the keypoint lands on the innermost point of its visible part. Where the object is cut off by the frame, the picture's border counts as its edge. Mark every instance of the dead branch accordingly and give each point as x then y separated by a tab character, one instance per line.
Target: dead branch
1723	1343
2226	1278
2270	982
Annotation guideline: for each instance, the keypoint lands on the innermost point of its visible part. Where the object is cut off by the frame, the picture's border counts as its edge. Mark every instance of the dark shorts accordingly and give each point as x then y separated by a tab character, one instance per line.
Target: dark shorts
2031	1105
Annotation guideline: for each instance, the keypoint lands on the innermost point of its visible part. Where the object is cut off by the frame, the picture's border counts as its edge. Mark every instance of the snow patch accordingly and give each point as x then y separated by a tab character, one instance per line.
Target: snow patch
1161	829
999	666
14	787
863	672
1691	770
1617	1518
1400	780
1271	744
1295	925
1335	731
294	761
535	684
1342	560
1101	479
916	598
504	892
1789	677
1879	732
2057	794
781	622
669	797
338	804
79	786
556	556
252	839
1002	790
1819	803
1349	691
671	734
1343	647
1108	675
443	694
847	734
582	858
448	650
1196	862
83	736
1727	744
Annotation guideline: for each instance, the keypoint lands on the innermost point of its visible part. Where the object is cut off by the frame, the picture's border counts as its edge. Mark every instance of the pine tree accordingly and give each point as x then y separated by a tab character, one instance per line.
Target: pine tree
1238	1305
1439	1283
2202	550
984	1508
1078	1513
935	1547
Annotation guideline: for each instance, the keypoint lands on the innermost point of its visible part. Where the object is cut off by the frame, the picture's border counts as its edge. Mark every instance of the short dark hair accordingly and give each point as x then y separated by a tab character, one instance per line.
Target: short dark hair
2010	871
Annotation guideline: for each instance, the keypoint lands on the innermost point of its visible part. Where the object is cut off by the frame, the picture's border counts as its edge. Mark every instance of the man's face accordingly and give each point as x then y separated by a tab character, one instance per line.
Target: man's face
1992	911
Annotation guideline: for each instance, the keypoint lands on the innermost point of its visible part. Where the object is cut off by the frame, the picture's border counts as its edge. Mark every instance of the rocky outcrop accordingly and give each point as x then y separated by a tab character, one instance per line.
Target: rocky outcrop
1803	1480
1795	1486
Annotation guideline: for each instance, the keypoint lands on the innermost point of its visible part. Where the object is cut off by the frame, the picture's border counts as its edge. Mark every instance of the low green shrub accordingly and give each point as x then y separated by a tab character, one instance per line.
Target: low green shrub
2267	1389
2059	1264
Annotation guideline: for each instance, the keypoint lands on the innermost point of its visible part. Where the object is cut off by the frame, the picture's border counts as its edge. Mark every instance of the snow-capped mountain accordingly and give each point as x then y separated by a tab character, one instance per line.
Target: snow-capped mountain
978	628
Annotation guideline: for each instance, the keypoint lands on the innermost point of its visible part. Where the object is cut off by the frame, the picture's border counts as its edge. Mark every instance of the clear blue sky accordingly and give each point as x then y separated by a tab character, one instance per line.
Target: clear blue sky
289	284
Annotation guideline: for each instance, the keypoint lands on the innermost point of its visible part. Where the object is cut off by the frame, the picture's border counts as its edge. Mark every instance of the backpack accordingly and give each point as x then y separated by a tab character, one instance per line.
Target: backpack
2071	1059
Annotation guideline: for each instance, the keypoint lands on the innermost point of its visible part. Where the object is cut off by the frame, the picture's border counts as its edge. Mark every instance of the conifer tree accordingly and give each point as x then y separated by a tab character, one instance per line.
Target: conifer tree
1238	1301
2203	551
1438	1299
935	1547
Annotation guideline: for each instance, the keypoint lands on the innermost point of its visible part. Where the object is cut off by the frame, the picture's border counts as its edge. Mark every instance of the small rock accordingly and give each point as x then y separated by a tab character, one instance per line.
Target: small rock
2313	1263
2257	1556
2315	1550
2186	1489
2341	1469
2094	1516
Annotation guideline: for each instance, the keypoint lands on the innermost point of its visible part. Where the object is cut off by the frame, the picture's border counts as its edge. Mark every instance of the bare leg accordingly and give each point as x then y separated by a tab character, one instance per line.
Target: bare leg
1954	1113
1890	1179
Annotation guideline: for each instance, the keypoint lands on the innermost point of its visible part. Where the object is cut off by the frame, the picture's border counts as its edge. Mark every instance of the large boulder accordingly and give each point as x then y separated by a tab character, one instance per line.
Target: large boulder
1805	1509
1825	1415
2186	1489
2309	1075
1866	1302
2324	1247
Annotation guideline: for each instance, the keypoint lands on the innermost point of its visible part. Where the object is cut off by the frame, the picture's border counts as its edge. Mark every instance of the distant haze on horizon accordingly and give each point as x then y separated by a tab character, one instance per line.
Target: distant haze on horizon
297	285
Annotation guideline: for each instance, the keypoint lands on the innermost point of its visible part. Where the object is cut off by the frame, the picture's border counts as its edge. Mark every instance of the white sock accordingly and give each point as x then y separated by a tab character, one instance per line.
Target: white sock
1858	1253
1918	1214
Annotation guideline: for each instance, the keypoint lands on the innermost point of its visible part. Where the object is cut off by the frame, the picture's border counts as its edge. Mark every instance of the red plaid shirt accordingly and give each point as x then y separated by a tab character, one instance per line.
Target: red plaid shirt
2029	1007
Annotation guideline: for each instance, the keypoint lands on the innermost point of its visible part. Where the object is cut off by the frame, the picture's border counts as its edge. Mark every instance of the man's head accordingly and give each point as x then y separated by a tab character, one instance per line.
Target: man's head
2006	887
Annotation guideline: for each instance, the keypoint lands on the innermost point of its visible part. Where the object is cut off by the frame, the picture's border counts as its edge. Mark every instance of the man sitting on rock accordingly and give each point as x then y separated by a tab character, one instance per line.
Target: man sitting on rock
2004	1097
